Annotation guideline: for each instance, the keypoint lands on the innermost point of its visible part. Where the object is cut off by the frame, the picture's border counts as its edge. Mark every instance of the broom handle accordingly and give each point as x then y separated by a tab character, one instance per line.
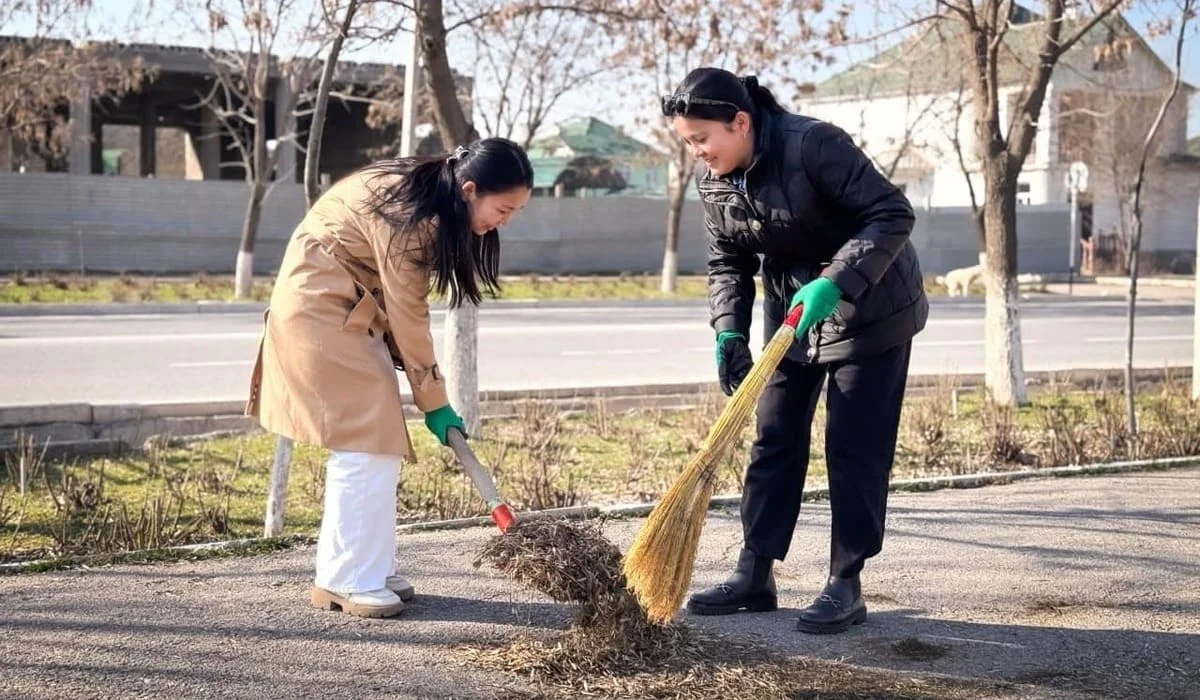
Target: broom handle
484	484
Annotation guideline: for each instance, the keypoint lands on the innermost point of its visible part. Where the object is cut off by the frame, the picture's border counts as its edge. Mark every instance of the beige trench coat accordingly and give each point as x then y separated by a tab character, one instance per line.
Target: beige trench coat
345	309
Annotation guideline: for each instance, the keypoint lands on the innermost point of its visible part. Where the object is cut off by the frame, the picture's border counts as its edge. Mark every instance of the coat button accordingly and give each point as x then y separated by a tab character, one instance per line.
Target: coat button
756	225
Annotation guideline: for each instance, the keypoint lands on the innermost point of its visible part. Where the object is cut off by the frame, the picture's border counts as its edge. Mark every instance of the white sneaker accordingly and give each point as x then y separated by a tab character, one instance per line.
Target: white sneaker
401	587
378	603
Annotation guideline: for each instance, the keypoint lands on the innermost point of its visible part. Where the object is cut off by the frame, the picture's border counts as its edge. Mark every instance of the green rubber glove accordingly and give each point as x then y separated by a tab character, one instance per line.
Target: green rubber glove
820	297
733	360
441	420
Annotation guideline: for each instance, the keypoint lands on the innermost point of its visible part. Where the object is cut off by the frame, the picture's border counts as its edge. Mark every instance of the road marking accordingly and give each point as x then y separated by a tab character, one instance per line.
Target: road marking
589	353
214	363
1140	338
974	641
918	342
132	338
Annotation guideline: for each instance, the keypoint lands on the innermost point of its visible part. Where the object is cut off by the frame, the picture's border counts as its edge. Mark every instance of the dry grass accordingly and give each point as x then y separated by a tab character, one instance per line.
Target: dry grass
66	288
612	650
182	492
702	667
60	288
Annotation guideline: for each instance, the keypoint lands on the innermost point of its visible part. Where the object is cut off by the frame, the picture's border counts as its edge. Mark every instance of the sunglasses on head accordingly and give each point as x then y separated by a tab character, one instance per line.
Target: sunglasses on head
681	102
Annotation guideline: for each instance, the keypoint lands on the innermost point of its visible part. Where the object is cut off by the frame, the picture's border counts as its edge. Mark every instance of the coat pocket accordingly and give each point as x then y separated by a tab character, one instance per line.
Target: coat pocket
363	314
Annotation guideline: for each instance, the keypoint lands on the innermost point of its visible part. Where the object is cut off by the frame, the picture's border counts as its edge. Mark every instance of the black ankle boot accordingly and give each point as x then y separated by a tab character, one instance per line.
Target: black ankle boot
751	588
839	606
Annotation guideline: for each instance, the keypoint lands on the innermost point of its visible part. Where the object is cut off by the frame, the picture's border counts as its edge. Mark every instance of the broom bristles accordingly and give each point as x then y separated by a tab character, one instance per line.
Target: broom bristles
658	566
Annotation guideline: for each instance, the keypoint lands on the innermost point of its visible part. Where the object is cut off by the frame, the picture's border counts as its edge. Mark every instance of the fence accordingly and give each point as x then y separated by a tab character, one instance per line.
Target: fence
58	222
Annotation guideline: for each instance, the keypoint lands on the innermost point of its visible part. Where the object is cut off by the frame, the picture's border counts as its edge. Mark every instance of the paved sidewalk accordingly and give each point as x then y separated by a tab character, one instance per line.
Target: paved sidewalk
1080	588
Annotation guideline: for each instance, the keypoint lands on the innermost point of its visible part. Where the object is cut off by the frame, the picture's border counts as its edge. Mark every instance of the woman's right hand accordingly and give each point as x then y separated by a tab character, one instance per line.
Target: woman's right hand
441	420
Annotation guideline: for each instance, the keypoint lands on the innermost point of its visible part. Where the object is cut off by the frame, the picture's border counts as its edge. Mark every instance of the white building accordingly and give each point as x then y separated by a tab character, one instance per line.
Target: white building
911	110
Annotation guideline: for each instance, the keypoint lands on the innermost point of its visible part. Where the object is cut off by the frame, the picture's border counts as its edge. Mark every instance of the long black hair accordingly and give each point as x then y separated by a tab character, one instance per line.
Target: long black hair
462	263
718	95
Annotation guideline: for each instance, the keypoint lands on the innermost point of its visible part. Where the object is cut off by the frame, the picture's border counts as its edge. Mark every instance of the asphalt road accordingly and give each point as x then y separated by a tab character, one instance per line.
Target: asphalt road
166	358
1068	588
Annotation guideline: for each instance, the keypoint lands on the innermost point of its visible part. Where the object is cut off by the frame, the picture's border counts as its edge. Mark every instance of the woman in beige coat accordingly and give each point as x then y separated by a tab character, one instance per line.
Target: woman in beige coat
349	308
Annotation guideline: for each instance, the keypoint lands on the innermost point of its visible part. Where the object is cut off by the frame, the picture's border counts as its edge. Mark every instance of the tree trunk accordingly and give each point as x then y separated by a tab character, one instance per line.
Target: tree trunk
277	494
447	110
980	228
282	464
462	369
1135	240
1196	319
1130	317
461	326
244	275
1004	361
670	267
257	171
312	161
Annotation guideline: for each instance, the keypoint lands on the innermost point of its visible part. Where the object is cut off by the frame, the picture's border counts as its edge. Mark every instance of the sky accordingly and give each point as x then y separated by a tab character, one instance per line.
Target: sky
160	21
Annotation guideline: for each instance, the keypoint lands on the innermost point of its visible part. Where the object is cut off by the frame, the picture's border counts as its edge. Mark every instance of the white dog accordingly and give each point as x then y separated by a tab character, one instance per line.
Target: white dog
958	282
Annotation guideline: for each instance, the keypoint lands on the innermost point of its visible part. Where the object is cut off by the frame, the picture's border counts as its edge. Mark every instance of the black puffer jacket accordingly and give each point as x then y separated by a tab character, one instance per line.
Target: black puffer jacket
814	205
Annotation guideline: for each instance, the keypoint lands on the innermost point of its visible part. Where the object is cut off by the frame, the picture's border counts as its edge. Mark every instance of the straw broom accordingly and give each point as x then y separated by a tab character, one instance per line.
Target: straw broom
658	566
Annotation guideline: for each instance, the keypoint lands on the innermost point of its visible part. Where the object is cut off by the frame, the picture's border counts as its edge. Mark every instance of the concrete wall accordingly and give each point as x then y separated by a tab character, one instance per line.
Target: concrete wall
115	224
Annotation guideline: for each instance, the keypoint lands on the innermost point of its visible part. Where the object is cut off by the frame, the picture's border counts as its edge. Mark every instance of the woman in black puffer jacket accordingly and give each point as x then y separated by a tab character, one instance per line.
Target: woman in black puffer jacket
832	233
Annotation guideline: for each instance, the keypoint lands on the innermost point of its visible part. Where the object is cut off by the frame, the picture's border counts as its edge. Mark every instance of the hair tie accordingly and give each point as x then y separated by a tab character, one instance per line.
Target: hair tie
749	81
458	155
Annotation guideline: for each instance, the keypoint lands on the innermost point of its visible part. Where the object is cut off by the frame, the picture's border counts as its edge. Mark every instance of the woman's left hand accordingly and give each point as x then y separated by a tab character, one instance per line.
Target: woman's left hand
441	420
820	298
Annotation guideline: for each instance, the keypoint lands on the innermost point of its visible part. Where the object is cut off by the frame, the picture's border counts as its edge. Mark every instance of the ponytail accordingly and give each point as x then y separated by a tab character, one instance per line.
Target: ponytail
763	99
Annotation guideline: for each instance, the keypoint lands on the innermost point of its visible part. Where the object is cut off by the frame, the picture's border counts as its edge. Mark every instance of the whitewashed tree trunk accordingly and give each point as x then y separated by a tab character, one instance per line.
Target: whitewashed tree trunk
1004	363
277	496
243	278
462	365
676	191
670	271
1004	360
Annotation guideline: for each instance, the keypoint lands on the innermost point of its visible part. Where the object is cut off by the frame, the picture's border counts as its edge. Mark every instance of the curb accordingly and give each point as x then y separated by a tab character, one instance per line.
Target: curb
496	403
924	485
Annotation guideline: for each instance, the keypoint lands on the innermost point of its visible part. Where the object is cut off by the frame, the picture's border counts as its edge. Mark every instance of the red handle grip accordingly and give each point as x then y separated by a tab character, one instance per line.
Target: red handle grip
503	516
793	319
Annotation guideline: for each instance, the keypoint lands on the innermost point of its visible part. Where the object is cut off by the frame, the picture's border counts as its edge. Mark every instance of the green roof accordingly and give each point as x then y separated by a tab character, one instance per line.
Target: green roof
589	136
932	59
546	170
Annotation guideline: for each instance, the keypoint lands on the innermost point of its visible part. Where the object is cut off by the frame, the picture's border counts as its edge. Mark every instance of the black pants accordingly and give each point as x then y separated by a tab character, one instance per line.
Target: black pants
863	403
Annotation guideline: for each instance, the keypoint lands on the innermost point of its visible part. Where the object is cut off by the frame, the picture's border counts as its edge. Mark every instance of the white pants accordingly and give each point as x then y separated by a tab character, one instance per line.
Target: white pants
357	546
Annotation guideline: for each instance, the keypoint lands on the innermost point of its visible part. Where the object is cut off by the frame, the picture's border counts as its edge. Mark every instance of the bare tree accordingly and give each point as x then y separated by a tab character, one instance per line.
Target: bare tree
245	88
1186	13
320	105
281	465
981	28
526	64
663	39
42	74
461	324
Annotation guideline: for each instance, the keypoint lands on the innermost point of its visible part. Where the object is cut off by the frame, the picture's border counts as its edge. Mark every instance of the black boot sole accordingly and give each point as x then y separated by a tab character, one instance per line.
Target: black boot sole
752	605
808	627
